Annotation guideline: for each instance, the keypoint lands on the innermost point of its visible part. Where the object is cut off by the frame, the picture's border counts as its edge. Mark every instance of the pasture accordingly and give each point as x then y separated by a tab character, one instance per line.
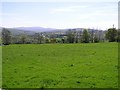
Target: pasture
0	67
93	65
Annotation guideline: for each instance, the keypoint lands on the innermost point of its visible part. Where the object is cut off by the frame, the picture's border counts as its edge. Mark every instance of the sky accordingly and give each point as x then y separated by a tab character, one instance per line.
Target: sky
62	14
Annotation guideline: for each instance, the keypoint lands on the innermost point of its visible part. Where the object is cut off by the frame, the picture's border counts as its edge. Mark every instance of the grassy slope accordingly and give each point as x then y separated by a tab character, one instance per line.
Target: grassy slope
60	65
0	67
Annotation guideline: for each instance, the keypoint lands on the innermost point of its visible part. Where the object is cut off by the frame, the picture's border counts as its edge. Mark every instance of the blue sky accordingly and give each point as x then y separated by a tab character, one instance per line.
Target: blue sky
51	14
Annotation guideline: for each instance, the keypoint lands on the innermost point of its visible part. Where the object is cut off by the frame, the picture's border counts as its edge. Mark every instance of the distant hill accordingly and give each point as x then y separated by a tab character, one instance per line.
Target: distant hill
33	30
29	30
18	32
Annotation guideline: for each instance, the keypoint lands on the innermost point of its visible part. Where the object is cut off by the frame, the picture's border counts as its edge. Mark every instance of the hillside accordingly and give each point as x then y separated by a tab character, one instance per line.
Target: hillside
33	30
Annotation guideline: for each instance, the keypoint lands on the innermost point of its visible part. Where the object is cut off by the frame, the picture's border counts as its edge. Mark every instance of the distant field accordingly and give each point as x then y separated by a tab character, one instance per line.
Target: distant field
60	65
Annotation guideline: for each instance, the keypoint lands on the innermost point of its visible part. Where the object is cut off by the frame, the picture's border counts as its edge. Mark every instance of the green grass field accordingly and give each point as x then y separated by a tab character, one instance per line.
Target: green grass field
60	65
0	67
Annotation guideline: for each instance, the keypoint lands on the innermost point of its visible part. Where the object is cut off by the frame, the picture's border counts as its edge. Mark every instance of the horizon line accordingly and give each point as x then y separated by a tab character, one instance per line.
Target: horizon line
97	28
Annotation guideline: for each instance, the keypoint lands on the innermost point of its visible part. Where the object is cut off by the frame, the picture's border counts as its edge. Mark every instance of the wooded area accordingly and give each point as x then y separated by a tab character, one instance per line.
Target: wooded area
71	36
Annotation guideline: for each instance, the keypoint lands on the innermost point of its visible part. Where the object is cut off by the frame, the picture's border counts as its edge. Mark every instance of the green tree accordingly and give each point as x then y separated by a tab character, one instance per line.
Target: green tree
47	40
118	36
85	36
76	37
70	36
92	36
96	40
23	38
53	40
111	34
6	36
38	37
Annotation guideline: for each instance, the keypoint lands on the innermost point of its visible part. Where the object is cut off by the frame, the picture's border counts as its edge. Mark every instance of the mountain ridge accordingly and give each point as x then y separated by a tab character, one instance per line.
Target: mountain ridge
33	30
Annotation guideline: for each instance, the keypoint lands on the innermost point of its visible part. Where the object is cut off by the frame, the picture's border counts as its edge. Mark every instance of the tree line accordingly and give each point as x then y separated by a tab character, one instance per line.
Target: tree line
72	36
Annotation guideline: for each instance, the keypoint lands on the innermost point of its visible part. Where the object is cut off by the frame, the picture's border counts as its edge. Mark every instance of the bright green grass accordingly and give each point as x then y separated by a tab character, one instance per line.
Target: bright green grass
0	67
60	66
